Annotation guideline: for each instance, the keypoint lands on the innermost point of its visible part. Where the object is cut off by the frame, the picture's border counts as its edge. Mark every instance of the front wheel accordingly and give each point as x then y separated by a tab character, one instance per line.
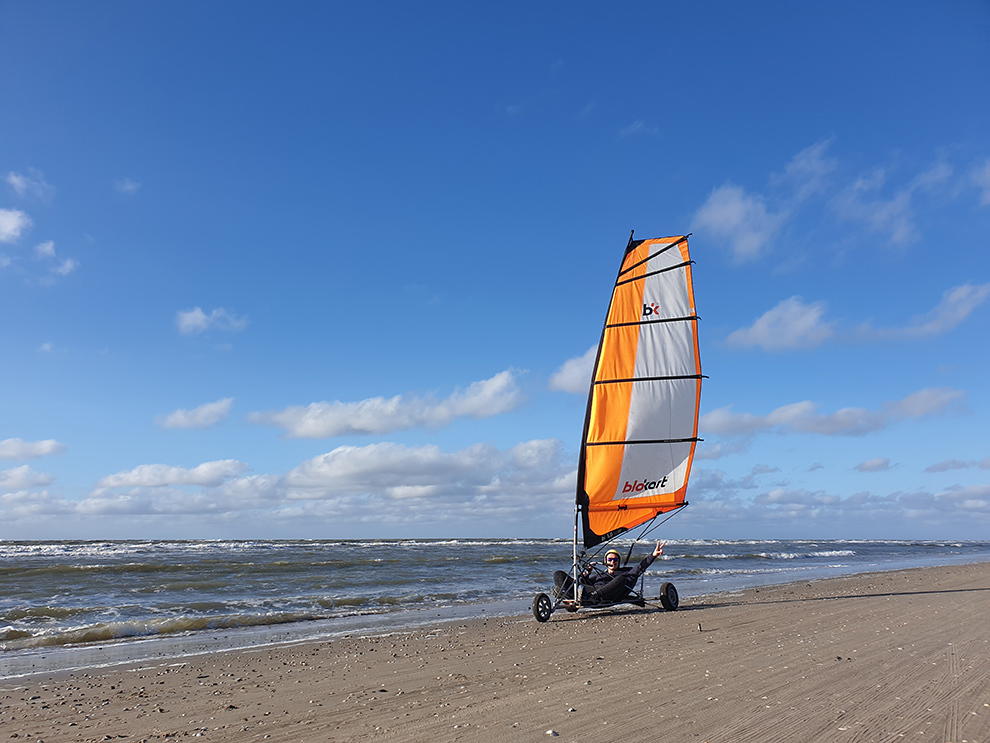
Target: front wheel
668	597
542	608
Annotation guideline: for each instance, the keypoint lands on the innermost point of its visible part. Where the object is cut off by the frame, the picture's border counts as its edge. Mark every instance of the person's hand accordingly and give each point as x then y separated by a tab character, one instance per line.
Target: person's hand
659	549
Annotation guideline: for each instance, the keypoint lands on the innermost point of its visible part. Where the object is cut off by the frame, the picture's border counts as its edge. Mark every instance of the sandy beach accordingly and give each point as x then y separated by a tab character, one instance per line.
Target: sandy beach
878	657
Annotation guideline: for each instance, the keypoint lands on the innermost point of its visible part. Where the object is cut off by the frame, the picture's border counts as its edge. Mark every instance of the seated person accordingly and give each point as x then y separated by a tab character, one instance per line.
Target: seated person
605	587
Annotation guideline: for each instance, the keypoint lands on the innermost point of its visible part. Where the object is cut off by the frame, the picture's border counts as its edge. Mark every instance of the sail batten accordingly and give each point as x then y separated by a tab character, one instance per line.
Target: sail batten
654	273
650	379
641	425
651	322
629	442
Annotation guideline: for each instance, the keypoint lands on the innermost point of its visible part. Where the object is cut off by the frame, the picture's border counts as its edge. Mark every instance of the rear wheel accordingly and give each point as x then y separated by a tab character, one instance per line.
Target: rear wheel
668	597
542	608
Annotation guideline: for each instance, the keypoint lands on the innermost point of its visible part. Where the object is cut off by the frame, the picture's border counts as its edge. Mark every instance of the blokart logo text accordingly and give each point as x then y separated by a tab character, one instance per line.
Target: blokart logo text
651	309
638	487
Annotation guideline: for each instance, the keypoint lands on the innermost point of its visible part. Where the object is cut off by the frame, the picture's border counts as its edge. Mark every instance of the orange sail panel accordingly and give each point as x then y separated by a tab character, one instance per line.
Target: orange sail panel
642	422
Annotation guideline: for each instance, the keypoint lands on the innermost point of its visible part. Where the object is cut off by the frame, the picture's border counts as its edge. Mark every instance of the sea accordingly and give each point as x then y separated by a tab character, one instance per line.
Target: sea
68	605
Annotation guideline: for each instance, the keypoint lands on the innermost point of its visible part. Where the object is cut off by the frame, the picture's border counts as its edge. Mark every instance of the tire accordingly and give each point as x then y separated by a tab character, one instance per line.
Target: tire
668	597
542	608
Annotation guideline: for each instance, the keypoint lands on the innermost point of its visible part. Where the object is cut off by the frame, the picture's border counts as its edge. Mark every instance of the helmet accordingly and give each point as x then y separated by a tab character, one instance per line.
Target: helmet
613	552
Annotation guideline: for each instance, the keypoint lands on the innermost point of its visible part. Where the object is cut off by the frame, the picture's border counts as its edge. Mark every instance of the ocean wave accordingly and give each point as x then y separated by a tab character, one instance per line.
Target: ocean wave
105	632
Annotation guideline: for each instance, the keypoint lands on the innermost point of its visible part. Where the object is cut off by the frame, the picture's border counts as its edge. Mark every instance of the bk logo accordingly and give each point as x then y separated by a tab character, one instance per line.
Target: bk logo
651	309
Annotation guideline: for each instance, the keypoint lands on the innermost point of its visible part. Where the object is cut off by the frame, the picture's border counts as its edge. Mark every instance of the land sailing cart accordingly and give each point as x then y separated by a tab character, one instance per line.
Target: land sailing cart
641	425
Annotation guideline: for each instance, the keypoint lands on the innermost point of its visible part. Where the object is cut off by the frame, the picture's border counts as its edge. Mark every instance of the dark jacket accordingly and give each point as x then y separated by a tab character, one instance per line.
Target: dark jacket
605	587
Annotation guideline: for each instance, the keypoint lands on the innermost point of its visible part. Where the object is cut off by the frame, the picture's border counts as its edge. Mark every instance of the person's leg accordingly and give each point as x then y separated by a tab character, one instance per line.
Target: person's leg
562	583
615	590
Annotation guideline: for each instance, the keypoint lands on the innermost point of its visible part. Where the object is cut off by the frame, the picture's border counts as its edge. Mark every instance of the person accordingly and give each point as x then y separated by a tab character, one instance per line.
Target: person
607	587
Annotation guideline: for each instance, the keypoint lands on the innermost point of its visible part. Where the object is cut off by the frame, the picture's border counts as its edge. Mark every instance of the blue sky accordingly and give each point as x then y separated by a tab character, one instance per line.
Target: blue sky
318	270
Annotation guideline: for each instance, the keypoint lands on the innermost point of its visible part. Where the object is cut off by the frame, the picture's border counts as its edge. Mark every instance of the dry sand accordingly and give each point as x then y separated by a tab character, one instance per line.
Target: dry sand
878	657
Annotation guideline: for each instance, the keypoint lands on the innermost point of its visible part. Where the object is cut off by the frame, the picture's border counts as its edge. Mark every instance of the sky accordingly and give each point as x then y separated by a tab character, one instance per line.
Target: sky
327	270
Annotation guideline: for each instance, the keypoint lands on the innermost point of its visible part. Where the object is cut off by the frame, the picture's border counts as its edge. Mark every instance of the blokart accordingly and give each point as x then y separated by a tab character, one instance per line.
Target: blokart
641	424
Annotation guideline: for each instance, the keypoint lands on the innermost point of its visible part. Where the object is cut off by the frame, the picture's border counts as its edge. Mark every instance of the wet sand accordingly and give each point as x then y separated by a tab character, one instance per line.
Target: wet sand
877	657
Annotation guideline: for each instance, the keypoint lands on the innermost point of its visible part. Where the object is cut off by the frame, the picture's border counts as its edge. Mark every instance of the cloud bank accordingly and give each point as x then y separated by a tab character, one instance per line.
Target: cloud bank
378	415
802	417
208	474
379	484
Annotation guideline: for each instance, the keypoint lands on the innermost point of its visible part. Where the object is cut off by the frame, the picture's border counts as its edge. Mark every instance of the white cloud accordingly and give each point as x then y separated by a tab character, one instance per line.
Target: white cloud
974	499
208	474
22	478
45	348
383	483
802	417
745	220
31	504
33	185
46	252
377	415
955	464
929	401
13	222
202	417
126	186
399	472
639	127
877	464
808	170
797	497
741	219
18	449
721	506
709	451
195	321
946	465
956	305
750	221
574	375
892	215
791	324
981	179
66	267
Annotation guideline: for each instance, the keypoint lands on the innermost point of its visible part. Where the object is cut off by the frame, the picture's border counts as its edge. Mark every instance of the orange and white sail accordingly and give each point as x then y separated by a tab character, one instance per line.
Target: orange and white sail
642	421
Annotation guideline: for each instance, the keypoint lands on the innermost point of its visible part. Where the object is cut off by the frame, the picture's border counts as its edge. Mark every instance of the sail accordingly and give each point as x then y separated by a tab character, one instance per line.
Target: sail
641	426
